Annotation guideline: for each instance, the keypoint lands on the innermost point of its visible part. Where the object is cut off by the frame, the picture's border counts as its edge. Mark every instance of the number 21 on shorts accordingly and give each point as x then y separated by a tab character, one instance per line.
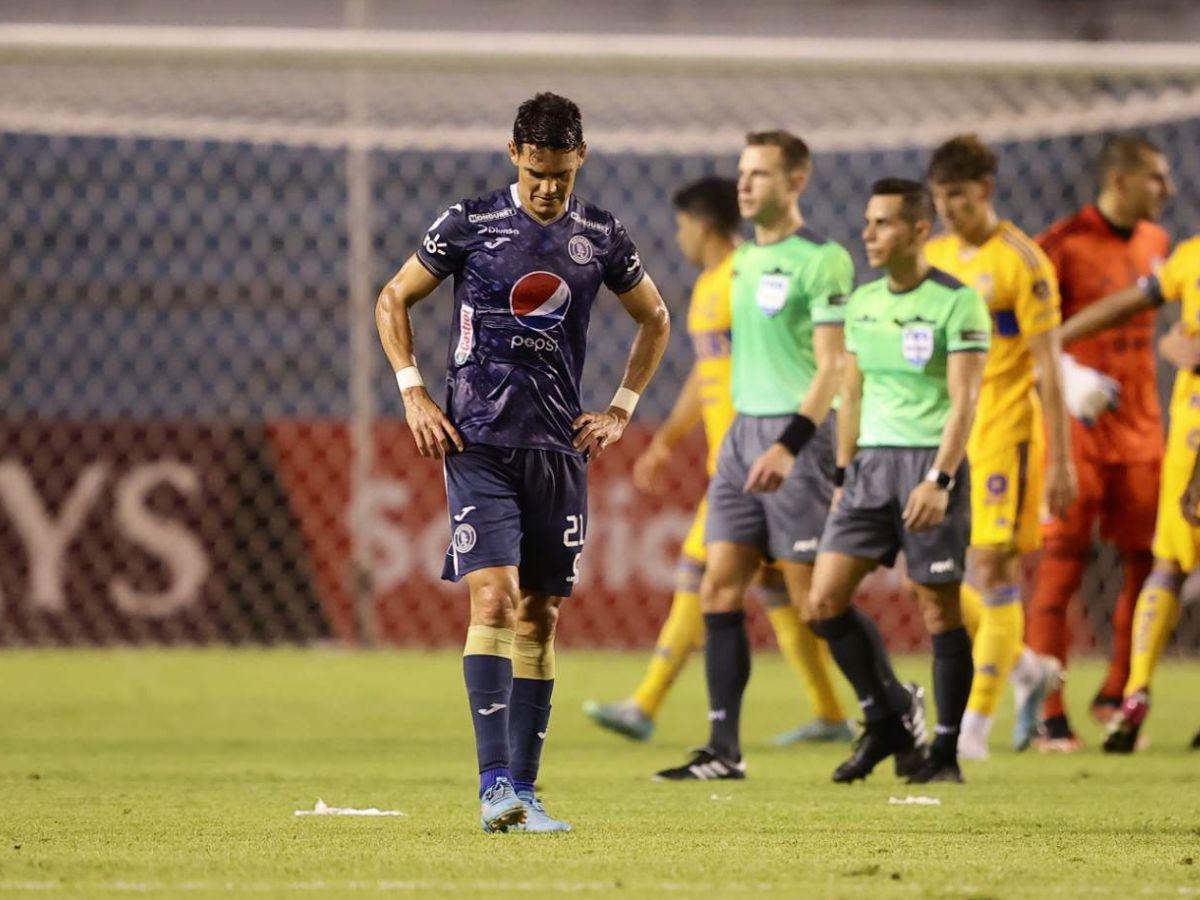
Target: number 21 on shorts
574	536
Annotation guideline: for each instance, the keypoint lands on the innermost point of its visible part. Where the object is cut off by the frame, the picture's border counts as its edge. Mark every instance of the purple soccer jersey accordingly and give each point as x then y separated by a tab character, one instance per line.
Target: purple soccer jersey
523	294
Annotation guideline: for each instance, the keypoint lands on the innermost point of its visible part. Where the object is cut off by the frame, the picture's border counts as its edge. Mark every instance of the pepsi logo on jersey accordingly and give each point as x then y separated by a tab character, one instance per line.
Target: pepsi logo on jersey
539	300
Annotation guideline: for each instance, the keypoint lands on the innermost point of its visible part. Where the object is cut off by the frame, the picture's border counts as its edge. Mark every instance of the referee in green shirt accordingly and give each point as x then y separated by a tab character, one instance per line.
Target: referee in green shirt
916	344
775	474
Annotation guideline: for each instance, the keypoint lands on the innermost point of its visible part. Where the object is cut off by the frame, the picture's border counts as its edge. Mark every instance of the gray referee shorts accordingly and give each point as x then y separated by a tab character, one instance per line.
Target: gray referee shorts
786	524
868	522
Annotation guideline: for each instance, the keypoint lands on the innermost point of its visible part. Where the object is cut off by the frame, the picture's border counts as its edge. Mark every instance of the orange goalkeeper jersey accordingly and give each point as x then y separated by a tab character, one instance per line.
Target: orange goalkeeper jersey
1093	260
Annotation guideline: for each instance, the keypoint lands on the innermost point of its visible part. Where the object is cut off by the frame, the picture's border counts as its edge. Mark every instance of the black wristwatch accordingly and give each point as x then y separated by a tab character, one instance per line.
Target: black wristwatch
941	479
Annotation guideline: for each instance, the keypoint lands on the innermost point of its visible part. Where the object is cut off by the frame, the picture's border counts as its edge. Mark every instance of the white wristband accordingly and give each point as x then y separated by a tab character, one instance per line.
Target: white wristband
626	399
409	377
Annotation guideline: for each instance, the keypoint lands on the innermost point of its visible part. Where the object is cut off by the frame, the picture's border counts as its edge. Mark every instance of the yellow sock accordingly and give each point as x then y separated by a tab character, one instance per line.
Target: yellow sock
996	646
680	635
1154	619
809	657
972	609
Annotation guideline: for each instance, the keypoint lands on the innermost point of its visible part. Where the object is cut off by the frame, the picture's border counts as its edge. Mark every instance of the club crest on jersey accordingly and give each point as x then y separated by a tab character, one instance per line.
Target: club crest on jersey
581	249
916	342
540	300
772	292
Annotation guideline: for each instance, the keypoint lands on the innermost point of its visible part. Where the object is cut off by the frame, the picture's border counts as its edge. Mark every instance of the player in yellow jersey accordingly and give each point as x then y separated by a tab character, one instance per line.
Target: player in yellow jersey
707	219
1176	545
1006	447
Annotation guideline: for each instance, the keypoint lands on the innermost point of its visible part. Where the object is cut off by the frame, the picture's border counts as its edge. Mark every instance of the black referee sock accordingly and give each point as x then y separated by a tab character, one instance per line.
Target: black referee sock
899	699
727	670
858	657
953	671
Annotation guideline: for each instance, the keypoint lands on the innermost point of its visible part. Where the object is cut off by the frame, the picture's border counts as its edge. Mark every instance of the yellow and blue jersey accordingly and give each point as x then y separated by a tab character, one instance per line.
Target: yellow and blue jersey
709	323
1017	281
1174	539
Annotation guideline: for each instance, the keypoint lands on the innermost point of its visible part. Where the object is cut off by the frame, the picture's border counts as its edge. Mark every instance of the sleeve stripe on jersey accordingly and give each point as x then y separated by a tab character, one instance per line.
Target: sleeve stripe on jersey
1025	248
431	267
1006	323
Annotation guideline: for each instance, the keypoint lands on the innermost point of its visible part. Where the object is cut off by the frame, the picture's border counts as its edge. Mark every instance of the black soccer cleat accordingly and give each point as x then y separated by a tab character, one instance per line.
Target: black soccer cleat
1196	741
937	769
705	765
910	761
878	741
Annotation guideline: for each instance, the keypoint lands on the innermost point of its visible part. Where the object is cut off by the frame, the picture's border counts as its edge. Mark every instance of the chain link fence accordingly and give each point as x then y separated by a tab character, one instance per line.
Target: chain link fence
201	440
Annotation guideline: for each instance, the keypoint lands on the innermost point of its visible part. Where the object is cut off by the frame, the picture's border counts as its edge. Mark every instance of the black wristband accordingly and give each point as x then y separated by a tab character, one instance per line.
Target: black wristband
1152	288
799	432
839	477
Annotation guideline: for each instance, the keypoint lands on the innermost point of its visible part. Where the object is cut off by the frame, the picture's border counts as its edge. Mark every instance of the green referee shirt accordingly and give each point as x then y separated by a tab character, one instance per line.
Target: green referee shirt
902	343
780	292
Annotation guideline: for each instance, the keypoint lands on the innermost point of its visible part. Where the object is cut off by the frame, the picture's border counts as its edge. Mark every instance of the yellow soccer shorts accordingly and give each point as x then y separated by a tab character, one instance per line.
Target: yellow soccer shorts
693	544
1174	539
1006	496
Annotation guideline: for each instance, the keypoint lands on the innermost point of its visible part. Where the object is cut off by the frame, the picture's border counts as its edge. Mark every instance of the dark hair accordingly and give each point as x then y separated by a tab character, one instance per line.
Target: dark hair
795	152
550	122
962	158
712	199
916	204
1123	152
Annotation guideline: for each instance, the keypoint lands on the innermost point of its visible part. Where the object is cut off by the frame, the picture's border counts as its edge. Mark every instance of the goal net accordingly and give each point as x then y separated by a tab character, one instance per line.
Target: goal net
201	440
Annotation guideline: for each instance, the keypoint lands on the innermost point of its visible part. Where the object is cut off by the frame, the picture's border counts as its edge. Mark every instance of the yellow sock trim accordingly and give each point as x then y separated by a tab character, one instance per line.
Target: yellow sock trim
680	635
484	640
1154	619
533	659
972	609
995	649
809	657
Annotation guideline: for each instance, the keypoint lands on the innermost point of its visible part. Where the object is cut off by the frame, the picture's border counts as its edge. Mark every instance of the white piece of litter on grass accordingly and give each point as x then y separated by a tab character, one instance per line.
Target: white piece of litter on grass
910	800
323	809
718	797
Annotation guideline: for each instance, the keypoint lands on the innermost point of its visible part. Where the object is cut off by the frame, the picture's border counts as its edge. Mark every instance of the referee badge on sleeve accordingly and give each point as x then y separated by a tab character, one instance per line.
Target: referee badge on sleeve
772	292
917	344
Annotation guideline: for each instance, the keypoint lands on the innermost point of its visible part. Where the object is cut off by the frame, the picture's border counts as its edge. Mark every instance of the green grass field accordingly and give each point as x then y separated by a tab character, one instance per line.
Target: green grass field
177	773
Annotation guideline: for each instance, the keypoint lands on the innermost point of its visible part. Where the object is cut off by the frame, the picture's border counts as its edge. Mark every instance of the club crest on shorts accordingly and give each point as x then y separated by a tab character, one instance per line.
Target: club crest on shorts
916	342
464	538
540	300
581	249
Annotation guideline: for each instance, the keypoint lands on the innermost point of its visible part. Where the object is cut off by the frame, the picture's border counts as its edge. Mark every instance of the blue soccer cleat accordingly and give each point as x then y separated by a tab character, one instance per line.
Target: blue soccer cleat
624	718
818	731
500	808
537	821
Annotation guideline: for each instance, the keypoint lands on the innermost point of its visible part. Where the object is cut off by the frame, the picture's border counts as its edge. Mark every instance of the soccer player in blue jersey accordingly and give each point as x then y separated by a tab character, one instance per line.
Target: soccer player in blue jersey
527	262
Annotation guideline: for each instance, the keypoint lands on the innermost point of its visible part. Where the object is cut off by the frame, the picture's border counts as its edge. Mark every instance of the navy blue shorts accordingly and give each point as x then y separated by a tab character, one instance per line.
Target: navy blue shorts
523	508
